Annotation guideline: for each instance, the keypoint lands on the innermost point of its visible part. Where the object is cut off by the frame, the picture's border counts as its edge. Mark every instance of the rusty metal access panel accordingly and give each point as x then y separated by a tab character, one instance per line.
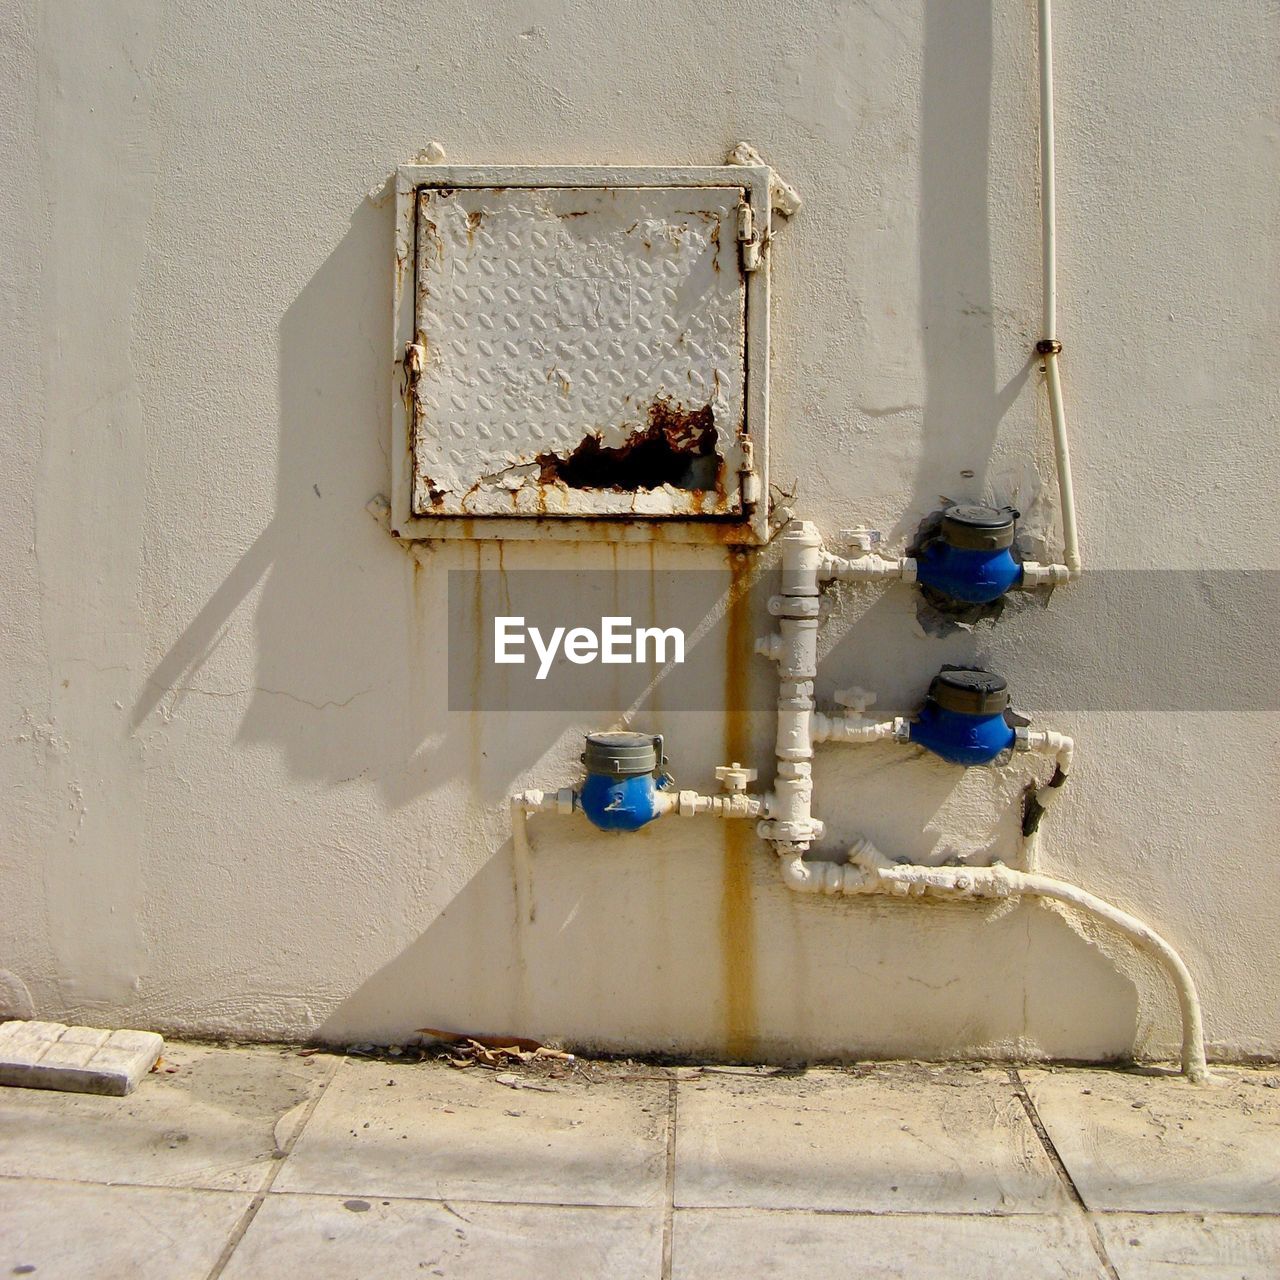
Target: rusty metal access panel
582	353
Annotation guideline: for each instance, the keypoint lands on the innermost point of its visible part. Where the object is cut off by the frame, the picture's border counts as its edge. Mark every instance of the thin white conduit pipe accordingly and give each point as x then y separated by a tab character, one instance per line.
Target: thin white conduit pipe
870	872
1194	1066
1048	193
1049	347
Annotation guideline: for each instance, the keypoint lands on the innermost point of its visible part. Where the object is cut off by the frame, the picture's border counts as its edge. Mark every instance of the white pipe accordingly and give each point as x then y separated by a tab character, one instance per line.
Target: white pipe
1066	486
794	648
870	872
866	568
686	804
1035	574
689	804
1062	749
857	729
1049	347
1048	188
1046	742
1194	1066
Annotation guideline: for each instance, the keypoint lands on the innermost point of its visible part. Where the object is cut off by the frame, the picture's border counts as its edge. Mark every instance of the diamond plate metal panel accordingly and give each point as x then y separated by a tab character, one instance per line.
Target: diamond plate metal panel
583	352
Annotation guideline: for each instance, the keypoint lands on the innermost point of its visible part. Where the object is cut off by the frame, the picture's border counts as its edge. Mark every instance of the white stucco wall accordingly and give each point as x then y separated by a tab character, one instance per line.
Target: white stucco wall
234	800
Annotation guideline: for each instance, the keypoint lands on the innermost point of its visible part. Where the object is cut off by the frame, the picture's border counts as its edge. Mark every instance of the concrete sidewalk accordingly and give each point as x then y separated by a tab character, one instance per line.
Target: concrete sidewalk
264	1162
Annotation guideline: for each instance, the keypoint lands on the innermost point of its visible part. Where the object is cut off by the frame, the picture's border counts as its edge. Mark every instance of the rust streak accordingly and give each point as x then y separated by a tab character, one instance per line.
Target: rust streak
655	694
475	723
737	910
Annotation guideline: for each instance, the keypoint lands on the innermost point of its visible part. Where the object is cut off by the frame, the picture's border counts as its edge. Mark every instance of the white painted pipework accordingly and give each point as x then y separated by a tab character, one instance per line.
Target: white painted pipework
795	649
689	804
868	871
1062	749
1045	742
866	568
1048	182
788	821
1036	575
686	804
786	813
1050	347
857	729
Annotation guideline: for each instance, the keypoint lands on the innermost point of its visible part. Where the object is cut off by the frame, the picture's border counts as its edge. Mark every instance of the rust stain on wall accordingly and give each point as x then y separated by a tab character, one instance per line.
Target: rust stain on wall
737	910
475	717
655	694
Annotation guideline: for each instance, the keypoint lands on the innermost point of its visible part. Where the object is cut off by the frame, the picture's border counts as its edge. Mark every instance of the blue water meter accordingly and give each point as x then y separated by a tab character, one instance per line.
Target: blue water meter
964	718
624	776
969	558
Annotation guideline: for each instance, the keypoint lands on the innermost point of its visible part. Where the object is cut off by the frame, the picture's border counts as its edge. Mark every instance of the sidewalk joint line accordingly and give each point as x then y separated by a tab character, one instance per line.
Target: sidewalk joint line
1064	1174
260	1196
669	1207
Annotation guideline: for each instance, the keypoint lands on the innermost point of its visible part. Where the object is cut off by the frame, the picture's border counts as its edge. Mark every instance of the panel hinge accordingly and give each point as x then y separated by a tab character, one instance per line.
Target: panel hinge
748	238
748	475
415	356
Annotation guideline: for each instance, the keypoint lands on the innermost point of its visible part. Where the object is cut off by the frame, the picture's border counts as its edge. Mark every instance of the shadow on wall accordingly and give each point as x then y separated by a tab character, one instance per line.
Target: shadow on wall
350	660
345	623
609	960
963	408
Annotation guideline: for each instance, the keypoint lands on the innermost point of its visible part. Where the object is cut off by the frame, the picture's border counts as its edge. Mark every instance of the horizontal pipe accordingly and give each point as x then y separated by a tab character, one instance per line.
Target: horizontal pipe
857	729
866	568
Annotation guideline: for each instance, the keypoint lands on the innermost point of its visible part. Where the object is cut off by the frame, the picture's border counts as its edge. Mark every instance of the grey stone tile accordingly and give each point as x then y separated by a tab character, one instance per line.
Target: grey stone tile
212	1122
898	1138
346	1238
1217	1246
70	1231
50	1055
439	1133
1155	1142
723	1244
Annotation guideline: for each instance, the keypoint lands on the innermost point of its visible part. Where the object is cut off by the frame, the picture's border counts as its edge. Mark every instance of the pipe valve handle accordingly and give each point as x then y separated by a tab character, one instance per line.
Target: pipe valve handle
734	777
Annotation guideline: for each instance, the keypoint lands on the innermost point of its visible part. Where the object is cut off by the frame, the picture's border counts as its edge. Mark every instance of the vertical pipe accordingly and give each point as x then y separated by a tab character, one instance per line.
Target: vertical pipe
1062	451
1049	347
1048	195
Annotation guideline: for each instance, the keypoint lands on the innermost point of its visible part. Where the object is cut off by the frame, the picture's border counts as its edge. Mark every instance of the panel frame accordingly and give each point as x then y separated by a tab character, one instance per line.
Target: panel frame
749	528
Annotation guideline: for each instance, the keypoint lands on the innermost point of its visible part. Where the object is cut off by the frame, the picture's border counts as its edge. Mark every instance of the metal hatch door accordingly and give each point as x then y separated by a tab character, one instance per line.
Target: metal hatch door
583	352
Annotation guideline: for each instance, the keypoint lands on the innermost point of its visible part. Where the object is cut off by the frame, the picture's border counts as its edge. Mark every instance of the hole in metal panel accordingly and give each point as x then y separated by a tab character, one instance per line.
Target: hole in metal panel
677	448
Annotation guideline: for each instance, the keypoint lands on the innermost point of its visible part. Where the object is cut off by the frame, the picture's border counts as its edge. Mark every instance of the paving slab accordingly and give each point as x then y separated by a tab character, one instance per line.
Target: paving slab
1199	1246
71	1231
723	1244
347	1238
1154	1142
426	1130
209	1117
897	1138
52	1055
